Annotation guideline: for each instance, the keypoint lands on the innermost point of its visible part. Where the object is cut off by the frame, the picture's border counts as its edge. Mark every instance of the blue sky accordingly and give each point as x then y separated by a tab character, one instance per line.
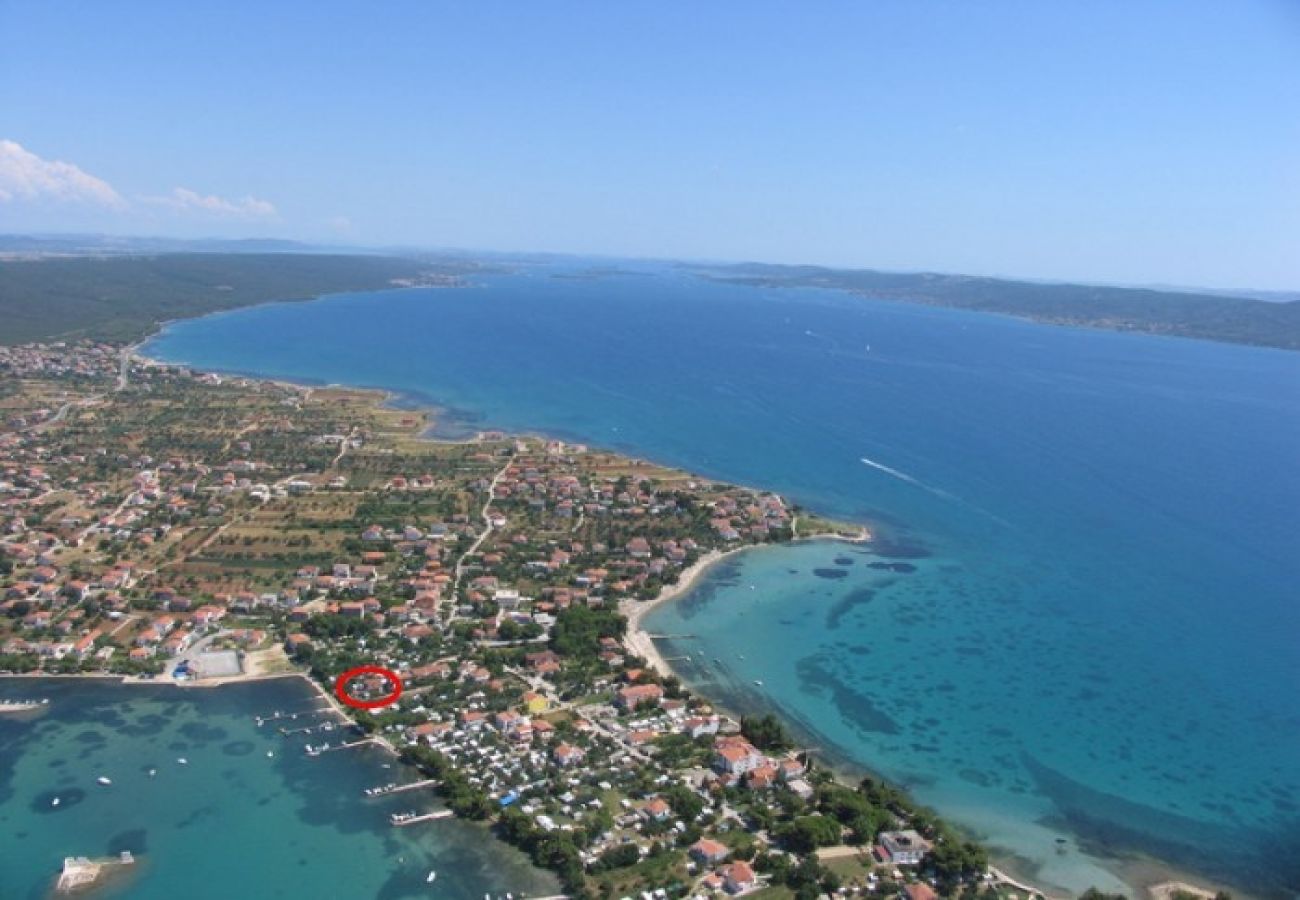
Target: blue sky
1110	140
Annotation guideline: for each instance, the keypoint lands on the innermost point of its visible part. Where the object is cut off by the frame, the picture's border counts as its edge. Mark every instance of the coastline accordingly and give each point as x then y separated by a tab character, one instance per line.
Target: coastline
637	639
1145	877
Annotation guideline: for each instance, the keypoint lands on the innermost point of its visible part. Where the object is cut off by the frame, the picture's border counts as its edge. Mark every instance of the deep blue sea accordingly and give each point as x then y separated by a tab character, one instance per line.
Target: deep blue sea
230	823
1080	618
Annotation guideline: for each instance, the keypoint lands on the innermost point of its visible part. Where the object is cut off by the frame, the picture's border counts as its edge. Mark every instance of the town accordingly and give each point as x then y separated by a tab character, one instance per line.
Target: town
165	524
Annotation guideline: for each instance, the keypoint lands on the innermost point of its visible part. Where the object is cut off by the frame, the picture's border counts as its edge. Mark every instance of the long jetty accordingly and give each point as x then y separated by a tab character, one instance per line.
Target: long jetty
278	714
425	817
317	751
384	790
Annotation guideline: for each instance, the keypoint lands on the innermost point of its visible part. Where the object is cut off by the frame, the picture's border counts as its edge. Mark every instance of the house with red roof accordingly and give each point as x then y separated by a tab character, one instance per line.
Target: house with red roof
738	877
637	695
709	851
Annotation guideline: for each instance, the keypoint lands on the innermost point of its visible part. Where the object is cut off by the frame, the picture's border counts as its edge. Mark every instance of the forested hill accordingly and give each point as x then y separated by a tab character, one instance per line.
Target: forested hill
124	298
1236	320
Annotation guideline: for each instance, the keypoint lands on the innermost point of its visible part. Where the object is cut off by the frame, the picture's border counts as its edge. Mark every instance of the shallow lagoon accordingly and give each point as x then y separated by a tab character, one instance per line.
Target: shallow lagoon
231	823
1099	634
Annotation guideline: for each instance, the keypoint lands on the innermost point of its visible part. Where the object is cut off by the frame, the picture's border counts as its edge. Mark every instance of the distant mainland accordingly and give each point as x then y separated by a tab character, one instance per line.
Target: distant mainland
62	288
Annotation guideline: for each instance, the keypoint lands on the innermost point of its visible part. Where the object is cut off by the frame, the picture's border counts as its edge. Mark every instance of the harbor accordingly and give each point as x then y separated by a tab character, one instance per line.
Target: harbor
162	811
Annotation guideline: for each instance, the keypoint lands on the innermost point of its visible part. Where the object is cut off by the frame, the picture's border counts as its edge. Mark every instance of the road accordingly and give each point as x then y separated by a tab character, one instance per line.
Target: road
478	542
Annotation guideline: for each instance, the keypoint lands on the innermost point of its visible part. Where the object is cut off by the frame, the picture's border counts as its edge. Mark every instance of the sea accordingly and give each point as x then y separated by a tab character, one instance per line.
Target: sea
1076	632
232	821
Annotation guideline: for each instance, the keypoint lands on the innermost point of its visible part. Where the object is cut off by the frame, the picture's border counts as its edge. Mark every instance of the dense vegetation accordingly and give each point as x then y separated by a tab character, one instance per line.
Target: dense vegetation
1235	320
125	298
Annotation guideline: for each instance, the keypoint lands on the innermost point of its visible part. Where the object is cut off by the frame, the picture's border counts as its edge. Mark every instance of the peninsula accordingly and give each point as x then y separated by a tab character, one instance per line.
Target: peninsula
167	524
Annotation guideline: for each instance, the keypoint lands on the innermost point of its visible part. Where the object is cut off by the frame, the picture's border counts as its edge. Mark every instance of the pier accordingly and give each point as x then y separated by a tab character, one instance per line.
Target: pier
328	726
384	790
21	705
671	637
277	715
80	872
317	751
401	820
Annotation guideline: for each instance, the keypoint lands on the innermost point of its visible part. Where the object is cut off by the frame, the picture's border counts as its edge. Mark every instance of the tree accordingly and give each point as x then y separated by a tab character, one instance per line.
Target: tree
765	732
685	802
617	858
952	861
806	833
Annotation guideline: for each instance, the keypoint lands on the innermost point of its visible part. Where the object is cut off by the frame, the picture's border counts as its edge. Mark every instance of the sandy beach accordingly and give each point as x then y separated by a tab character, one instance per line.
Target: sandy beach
638	641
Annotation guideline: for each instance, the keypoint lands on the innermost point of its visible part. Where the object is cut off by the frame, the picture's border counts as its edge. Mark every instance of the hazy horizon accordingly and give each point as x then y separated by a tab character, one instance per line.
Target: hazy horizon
1282	294
1101	143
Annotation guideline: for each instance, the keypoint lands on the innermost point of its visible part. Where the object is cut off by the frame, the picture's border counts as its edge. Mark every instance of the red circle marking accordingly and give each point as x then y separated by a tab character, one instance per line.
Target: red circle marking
341	687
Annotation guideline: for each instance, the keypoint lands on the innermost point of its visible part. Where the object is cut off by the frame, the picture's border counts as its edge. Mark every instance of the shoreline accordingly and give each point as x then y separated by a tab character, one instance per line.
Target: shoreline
636	639
1144	876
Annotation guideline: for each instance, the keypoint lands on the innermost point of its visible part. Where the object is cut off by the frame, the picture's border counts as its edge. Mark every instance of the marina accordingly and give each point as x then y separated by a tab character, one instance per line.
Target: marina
316	801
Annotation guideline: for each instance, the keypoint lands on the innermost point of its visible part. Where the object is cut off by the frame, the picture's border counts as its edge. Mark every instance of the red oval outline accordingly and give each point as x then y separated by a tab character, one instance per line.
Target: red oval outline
341	690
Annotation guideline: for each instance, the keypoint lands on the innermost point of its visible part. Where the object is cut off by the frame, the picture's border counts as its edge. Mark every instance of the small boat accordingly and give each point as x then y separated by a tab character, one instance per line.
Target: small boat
270	753
757	682
428	879
54	802
183	761
153	772
103	780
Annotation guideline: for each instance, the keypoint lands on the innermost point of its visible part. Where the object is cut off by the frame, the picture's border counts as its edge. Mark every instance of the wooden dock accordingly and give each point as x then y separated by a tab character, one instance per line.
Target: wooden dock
21	705
383	791
425	817
277	715
317	751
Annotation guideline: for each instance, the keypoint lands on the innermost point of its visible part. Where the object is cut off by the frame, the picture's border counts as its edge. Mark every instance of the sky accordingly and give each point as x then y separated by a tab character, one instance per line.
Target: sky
1124	141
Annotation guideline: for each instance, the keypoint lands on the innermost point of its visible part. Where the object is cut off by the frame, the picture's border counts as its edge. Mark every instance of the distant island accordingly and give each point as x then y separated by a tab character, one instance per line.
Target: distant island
125	298
91	290
1211	317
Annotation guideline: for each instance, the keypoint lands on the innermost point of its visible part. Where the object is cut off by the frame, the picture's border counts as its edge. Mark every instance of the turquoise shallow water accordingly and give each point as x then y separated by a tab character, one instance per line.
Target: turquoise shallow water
231	823
1097	638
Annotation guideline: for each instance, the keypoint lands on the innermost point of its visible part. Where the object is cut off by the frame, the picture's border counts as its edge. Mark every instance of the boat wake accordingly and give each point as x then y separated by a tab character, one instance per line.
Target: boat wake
938	492
903	476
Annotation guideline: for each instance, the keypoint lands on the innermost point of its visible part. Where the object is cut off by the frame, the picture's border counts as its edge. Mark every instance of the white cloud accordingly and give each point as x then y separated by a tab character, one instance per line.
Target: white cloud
25	176
186	200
